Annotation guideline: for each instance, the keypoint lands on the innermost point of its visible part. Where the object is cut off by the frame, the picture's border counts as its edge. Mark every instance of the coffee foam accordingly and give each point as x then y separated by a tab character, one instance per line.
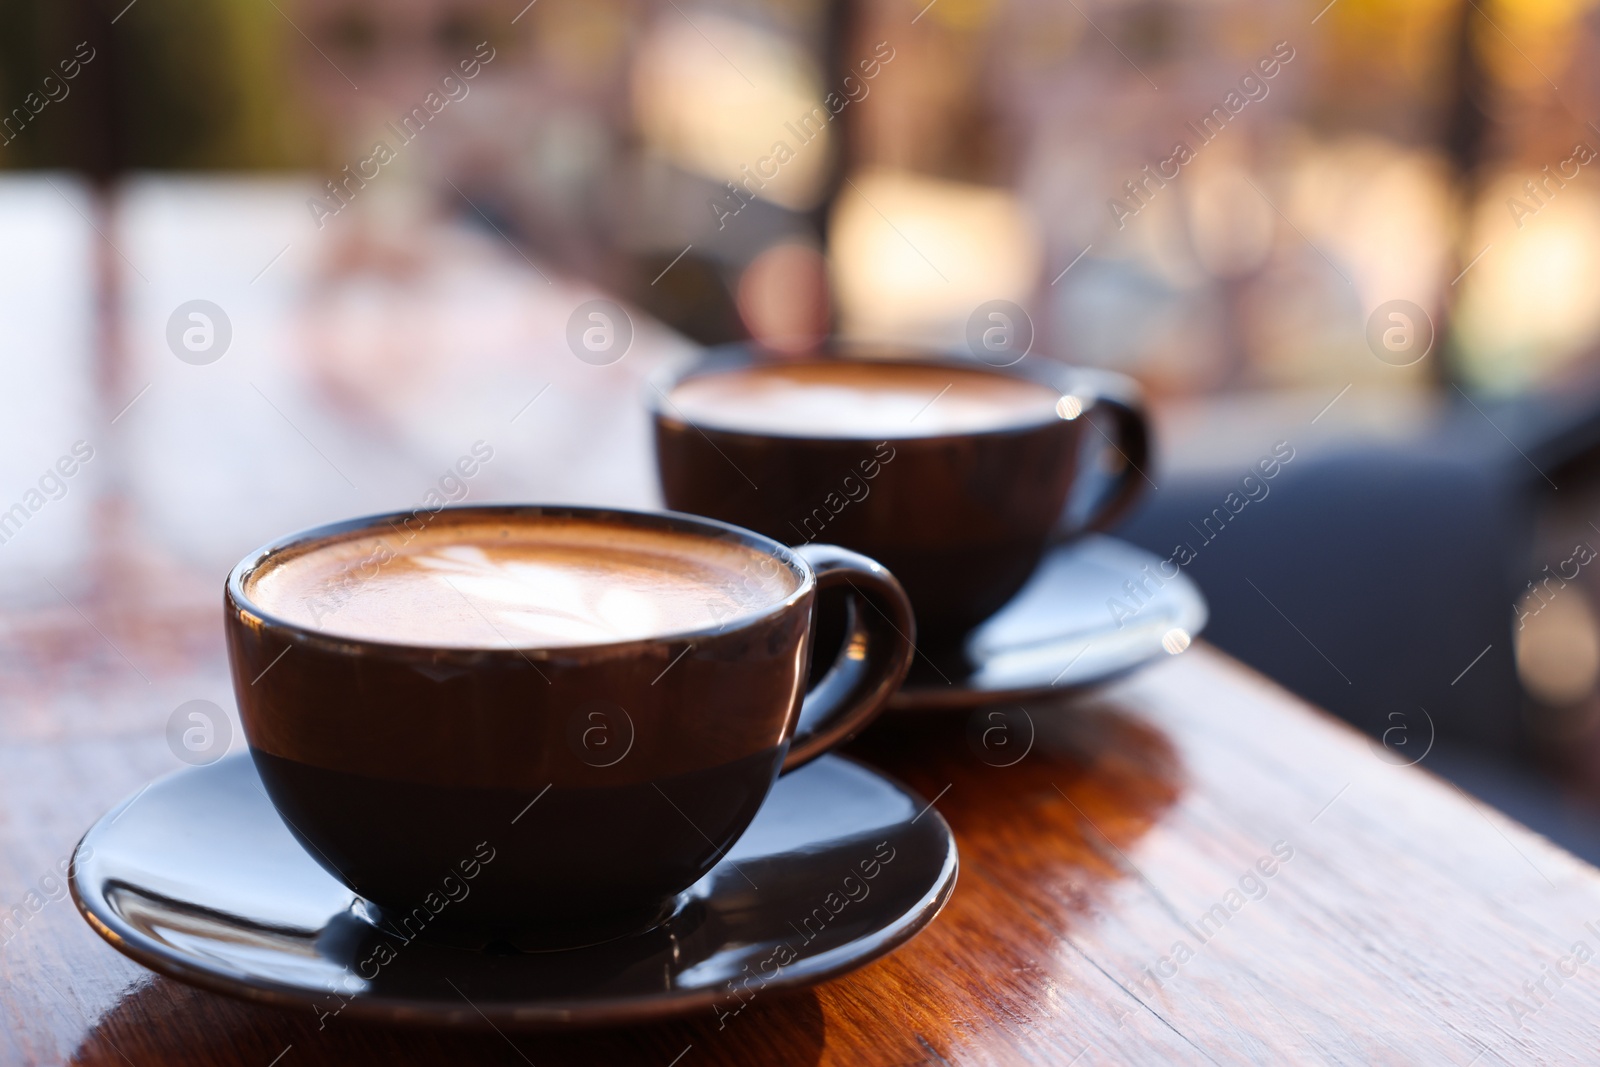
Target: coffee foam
875	400
535	582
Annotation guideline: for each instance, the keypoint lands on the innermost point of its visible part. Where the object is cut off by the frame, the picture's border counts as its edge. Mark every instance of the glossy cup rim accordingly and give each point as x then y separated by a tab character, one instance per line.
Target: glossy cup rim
239	602
739	355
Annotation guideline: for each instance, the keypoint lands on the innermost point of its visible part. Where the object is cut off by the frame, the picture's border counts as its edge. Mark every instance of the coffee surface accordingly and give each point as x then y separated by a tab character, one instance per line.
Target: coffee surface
538	582
876	400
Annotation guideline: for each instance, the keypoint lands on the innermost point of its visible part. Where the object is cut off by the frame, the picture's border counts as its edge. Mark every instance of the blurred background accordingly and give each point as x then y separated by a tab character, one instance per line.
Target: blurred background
1369	229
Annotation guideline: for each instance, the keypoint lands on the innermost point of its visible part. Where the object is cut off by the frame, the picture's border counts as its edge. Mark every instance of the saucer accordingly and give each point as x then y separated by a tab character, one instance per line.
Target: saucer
1061	632
196	877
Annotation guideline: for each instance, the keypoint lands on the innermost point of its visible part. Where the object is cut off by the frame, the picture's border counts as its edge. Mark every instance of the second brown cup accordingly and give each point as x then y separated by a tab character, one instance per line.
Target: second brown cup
955	474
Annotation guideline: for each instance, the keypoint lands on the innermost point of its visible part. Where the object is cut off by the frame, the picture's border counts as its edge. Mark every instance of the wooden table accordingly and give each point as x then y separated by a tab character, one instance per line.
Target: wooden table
1191	867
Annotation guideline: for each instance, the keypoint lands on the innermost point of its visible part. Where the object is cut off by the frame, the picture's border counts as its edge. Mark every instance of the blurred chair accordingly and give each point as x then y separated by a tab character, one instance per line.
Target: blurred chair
1382	581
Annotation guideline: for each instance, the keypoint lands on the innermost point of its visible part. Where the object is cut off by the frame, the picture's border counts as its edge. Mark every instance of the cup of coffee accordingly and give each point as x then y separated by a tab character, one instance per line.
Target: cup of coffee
952	472
541	724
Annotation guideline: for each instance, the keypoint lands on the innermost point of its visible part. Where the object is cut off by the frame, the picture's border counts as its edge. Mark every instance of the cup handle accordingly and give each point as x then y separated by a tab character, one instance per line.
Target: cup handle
1122	398
872	662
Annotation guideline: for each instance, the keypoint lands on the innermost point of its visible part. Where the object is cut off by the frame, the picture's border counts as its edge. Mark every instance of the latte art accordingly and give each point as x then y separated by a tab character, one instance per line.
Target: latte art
539	583
876	400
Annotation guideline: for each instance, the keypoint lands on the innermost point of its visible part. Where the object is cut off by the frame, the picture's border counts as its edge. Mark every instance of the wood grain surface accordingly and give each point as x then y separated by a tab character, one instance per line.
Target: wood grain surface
1399	923
1189	867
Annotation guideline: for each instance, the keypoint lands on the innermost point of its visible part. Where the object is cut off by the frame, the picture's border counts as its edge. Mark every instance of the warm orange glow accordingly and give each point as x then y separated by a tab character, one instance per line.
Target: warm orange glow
1558	647
913	256
1528	306
717	104
783	297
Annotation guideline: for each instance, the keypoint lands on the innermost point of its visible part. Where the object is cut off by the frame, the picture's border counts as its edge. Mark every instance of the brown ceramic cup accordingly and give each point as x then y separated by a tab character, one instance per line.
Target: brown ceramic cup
548	796
961	518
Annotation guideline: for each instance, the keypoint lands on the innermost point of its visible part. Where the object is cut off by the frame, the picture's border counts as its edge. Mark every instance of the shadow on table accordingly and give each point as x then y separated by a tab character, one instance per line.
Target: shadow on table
166	1022
1039	792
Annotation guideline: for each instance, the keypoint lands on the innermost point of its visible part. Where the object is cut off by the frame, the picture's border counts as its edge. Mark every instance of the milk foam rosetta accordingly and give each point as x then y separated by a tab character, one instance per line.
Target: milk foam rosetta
525	583
876	400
